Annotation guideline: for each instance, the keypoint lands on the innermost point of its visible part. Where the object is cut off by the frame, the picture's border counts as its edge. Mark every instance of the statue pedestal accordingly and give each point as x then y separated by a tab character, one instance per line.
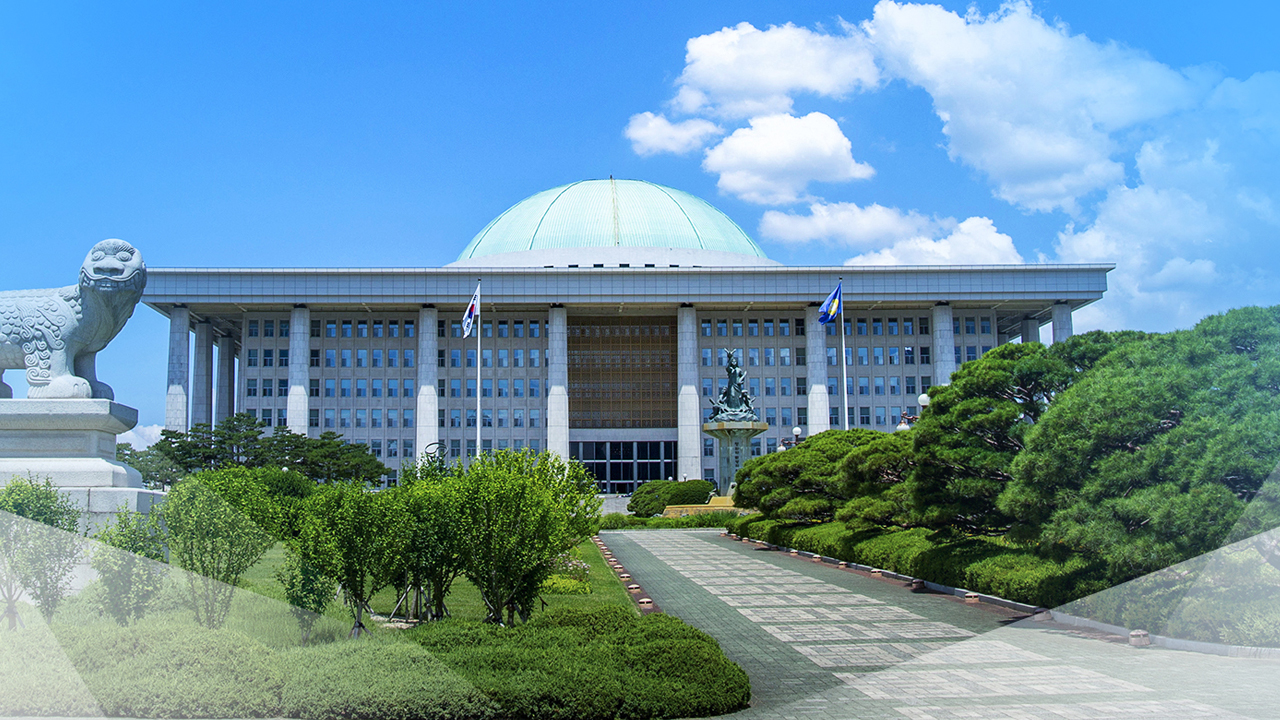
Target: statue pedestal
73	444
735	447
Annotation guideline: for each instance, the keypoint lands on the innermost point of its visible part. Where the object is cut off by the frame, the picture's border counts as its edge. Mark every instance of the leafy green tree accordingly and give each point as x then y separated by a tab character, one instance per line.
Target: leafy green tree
157	470
215	542
308	590
518	513
270	496
130	564
803	482
971	431
875	481
434	556
39	545
1150	458
356	537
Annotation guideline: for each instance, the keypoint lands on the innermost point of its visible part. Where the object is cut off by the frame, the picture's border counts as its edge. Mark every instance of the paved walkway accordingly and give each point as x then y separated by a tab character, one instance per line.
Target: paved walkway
824	643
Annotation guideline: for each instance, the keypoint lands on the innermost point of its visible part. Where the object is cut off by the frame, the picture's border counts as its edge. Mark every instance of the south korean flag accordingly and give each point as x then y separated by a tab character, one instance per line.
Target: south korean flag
472	314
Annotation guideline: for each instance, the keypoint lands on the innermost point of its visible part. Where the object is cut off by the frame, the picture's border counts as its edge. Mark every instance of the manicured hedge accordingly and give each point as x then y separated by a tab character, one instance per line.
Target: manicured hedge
171	669
979	564
718	518
653	497
596	664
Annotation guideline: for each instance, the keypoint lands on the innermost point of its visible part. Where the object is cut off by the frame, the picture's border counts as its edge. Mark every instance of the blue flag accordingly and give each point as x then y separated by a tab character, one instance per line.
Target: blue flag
830	310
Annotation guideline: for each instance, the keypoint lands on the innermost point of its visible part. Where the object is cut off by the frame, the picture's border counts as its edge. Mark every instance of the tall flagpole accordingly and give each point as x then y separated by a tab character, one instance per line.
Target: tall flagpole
479	362
844	367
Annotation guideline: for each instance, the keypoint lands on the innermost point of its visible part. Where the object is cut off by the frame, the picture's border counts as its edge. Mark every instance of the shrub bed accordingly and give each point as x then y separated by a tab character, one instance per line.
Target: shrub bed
600	663
977	564
718	518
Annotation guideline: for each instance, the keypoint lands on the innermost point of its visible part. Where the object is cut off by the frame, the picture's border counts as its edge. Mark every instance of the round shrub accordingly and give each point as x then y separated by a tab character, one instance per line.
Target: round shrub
371	680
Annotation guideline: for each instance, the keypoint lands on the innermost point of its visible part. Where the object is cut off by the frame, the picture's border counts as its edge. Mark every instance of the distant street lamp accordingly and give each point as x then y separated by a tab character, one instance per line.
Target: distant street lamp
908	420
795	433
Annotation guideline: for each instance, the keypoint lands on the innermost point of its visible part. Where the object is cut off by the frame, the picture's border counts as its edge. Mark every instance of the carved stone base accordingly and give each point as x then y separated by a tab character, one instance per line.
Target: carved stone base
73	444
735	448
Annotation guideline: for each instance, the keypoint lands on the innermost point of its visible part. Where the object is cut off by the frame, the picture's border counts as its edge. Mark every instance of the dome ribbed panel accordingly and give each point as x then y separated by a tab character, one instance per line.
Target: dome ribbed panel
607	213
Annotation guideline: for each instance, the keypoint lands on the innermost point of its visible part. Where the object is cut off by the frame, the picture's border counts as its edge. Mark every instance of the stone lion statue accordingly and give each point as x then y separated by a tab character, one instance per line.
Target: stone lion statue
55	334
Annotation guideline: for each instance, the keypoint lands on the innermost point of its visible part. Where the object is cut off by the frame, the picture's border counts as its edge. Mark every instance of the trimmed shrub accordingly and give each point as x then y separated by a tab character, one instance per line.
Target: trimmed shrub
564	585
620	521
174	670
370	680
653	497
595	664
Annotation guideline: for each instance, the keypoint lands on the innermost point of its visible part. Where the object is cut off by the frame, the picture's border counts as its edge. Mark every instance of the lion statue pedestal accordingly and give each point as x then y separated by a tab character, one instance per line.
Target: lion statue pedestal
65	430
73	443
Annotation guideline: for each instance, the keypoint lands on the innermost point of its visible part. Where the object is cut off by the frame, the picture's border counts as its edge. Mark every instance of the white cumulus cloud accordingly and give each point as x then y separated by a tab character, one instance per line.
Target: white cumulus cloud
652	134
773	161
743	71
848	224
974	241
141	437
1024	101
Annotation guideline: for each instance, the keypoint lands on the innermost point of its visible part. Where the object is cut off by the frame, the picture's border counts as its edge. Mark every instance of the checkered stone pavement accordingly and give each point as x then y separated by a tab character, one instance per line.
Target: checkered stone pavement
825	643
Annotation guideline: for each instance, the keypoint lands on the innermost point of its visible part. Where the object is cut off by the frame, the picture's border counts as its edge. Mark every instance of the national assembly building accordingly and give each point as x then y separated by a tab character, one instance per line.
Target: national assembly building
609	309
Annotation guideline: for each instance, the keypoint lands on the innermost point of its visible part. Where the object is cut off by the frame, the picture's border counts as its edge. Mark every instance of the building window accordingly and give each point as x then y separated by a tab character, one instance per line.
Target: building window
486	388
923	323
391	388
328	418
346	328
329	384
753	328
706	328
880	416
377	358
864	386
864	416
910	386
393	358
784	356
771	416
533	417
455	328
313	388
471	418
268	328
768	357
344	386
455	388
517	328
408	358
878	354
252	359
502	389
517	417
252	329
518	358
331	328
533	388
251	388
535	359
517	387
502	358
893	356
375	418
267	358
755	447
708	447
986	325
314	359
722	328
375	388
346	357
970	326
863	357
471	388
344	419
801	386
924	356
502	417
862	326
894	388
768	327
785	327
893	326
908	355
408	419
802	416
362	358
502	328
770	387
753	357
534	329
362	328
833	356
486	358
486	328
440	329
832	385
970	352
455	418
908	327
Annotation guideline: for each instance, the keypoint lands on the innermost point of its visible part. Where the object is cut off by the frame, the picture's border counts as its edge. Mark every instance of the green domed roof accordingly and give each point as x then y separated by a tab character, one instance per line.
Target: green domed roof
611	214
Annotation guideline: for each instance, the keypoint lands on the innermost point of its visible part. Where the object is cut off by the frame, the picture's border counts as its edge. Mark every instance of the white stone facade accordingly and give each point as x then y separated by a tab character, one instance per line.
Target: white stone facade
377	355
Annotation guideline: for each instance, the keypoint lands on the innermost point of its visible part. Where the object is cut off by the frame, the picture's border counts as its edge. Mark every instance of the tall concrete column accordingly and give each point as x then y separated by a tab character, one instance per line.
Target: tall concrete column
944	344
428	403
816	360
299	368
558	382
1030	330
176	400
1061	321
688	419
224	393
202	375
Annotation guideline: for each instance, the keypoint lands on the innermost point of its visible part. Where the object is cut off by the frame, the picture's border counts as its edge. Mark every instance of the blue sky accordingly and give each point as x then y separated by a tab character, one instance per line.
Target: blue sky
1145	134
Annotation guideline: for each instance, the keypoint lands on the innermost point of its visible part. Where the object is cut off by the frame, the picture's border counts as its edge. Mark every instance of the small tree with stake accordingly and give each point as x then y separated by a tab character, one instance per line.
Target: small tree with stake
130	564
39	546
355	537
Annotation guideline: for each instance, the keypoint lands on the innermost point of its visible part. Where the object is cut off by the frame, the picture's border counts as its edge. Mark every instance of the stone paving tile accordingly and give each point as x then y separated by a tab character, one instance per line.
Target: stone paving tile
1024	671
865	654
842	599
761	589
1123	710
987	682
